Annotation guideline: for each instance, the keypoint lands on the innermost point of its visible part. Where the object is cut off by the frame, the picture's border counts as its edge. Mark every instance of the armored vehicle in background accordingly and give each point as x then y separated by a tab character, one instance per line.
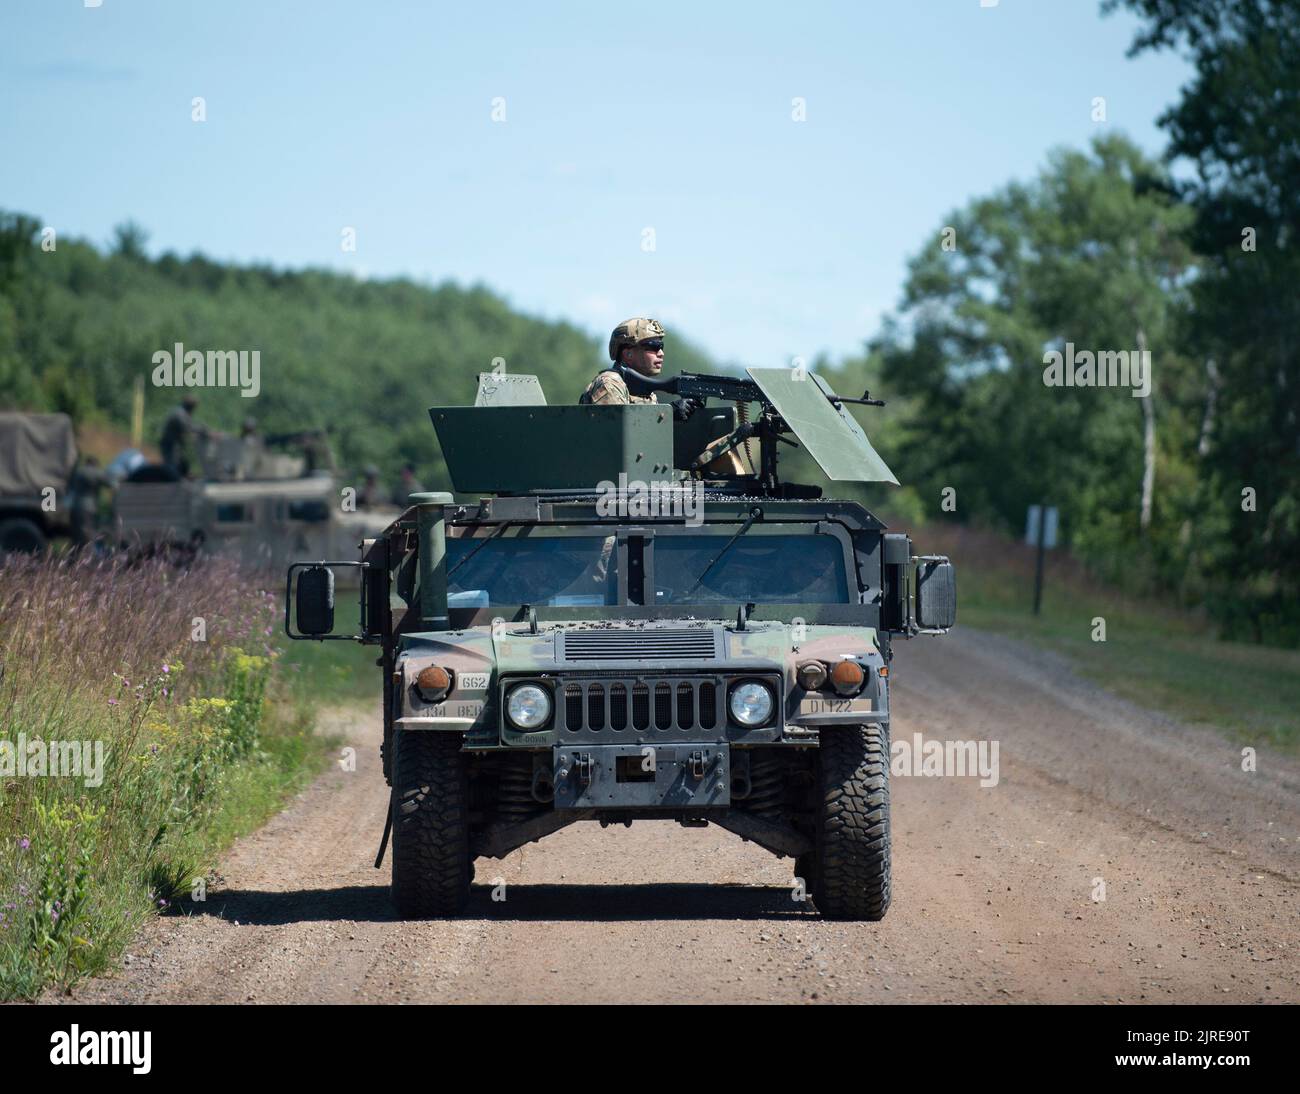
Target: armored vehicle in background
252	503
610	631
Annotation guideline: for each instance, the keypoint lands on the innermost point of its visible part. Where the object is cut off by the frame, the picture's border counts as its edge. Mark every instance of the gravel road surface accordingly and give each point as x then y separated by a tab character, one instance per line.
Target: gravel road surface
993	893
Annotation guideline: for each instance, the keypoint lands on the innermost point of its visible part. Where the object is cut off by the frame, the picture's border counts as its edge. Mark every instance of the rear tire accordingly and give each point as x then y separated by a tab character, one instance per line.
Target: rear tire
852	864
431	864
20	535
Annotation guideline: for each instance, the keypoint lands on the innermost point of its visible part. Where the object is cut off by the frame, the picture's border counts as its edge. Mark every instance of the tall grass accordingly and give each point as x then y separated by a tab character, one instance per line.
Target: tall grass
166	671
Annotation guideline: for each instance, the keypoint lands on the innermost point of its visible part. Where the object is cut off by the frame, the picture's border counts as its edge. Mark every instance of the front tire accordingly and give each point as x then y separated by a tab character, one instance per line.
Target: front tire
851	878
431	865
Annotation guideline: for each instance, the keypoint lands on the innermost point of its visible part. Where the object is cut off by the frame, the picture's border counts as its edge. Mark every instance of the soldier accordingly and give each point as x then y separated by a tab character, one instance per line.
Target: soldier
178	432
371	494
638	345
84	489
407	485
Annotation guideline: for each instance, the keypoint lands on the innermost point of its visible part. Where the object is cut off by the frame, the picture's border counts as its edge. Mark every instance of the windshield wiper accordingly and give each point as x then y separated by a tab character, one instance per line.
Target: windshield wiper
754	514
482	543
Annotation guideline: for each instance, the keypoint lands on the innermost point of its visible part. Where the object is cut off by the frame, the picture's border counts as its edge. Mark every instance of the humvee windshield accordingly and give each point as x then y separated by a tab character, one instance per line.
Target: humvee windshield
578	570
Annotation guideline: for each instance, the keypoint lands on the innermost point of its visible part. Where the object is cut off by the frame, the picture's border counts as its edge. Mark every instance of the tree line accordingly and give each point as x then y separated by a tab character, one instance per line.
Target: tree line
1181	479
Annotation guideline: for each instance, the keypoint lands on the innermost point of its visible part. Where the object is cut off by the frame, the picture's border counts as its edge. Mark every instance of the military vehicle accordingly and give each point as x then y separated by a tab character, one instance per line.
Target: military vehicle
565	648
252	503
43	493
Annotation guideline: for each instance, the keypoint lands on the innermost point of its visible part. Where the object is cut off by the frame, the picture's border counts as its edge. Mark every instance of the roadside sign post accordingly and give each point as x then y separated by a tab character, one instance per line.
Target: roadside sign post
1040	532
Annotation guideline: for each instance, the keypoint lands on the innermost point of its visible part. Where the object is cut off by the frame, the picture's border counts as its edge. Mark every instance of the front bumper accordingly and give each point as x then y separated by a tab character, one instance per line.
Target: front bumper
673	777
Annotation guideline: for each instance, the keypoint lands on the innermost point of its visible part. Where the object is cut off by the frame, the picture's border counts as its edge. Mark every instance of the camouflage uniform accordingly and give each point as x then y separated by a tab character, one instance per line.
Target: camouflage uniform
609	389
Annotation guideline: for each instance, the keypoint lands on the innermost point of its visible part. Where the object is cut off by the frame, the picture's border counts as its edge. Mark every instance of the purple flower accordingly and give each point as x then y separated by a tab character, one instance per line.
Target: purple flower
112	702
162	903
24	843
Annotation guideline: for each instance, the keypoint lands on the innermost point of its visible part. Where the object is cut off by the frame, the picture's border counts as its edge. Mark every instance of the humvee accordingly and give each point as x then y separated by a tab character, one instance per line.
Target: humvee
561	647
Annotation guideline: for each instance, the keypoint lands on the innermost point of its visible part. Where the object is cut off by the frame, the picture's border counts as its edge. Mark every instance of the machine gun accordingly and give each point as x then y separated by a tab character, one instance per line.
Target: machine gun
769	427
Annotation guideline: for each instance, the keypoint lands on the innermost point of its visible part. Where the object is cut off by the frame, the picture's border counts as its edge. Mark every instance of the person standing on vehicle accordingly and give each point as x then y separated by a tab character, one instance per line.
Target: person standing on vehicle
178	433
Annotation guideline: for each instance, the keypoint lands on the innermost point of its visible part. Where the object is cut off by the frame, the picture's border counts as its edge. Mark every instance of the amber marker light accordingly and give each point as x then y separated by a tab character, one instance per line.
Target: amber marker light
847	677
433	683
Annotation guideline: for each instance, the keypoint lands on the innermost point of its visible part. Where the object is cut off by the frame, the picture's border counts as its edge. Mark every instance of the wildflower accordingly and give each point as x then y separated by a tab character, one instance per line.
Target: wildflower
112	702
166	669
24	843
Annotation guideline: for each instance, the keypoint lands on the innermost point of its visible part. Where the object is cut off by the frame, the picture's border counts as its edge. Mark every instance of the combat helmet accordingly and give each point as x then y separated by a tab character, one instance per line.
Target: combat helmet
630	332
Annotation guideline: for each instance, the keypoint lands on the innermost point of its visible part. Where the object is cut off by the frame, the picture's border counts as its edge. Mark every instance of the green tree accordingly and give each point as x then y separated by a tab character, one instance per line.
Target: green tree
1091	253
1238	124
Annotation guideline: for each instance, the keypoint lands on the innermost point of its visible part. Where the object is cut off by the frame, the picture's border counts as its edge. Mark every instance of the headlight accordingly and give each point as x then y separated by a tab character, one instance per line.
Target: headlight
751	703
528	706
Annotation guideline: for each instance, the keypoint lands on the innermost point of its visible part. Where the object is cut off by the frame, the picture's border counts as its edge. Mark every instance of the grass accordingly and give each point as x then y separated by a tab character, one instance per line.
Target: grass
171	673
330	672
1154	654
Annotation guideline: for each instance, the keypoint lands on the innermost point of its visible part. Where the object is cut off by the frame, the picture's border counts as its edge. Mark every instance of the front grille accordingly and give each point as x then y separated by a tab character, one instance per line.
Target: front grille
677	704
650	644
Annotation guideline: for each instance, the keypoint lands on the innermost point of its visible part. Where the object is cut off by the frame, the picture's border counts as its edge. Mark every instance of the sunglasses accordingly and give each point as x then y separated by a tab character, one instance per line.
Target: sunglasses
652	343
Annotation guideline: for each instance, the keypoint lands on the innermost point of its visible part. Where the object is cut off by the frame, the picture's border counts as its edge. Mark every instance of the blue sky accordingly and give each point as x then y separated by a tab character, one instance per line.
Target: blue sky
772	238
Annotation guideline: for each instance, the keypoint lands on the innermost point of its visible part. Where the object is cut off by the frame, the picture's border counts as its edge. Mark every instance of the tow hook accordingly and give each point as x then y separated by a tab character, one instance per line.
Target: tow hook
582	767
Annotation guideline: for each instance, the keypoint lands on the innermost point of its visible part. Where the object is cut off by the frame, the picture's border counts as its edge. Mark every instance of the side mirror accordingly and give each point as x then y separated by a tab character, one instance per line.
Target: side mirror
936	594
315	601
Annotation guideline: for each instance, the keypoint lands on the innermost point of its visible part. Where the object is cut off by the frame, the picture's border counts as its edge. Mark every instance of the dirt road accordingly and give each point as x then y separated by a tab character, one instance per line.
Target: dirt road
993	896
